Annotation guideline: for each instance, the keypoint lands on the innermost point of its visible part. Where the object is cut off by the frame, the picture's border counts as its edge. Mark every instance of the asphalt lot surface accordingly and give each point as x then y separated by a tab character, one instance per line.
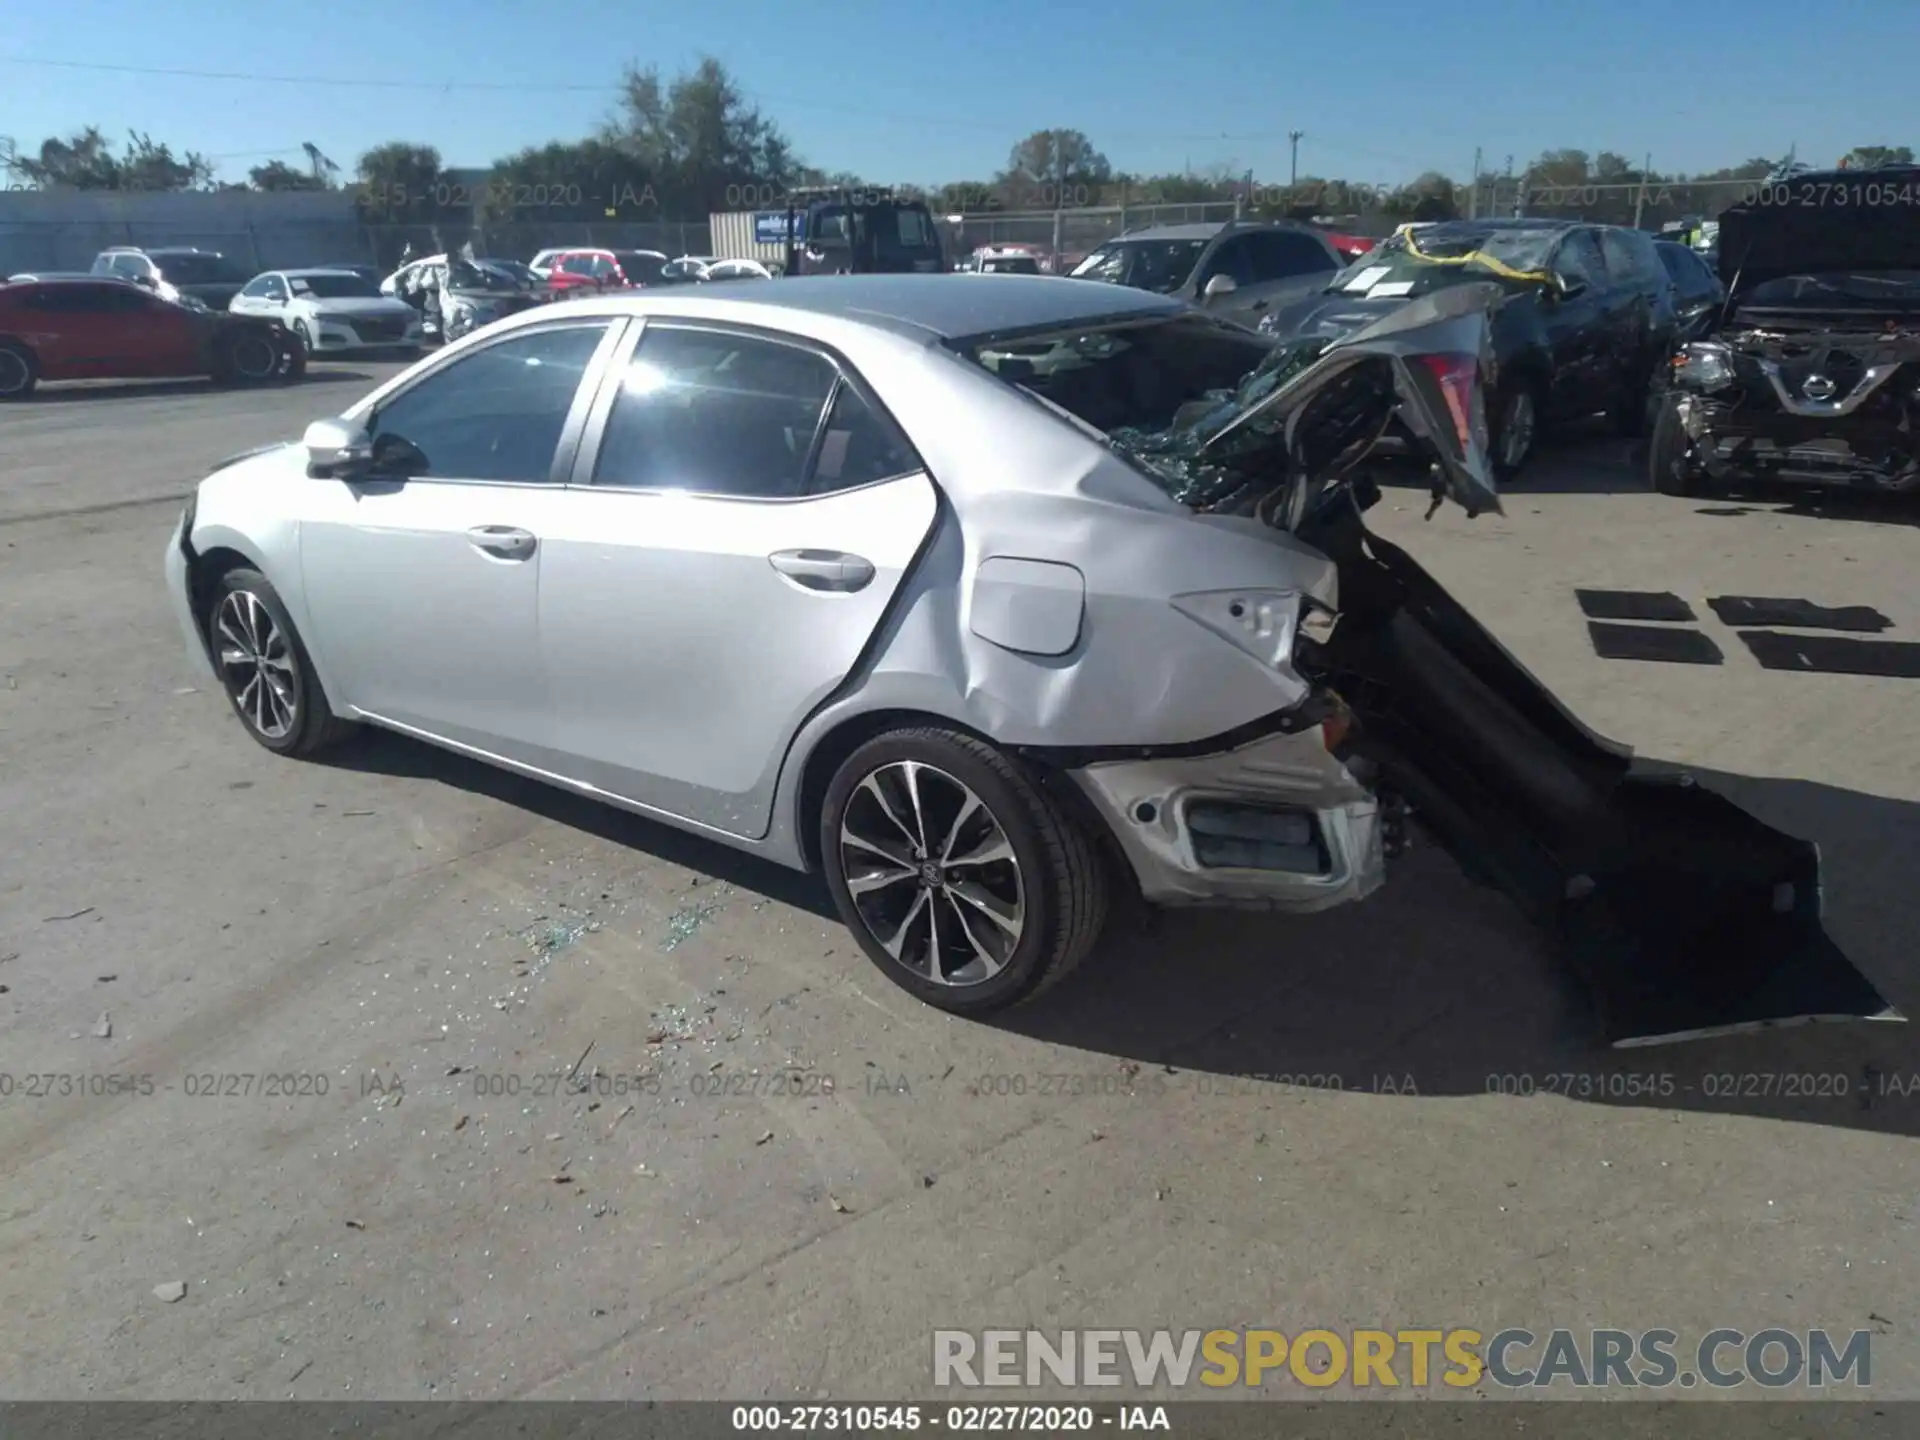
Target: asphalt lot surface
422	951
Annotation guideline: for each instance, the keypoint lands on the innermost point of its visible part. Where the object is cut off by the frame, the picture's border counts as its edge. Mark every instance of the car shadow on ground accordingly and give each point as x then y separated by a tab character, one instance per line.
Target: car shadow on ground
1801	503
1581	457
1433	986
1437	982
73	391
381	752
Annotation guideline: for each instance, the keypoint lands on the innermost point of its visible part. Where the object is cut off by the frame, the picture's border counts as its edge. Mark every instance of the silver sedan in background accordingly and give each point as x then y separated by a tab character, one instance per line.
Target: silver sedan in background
979	600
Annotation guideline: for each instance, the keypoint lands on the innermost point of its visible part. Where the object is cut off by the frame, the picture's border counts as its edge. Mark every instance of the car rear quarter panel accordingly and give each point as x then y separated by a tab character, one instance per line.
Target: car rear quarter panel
1020	483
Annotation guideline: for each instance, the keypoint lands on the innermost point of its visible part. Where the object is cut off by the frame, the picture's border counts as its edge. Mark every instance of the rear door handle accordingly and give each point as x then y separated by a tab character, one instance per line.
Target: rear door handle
503	541
833	570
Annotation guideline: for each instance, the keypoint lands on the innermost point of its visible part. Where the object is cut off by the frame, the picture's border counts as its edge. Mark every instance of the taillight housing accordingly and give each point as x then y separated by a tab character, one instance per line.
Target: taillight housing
1458	377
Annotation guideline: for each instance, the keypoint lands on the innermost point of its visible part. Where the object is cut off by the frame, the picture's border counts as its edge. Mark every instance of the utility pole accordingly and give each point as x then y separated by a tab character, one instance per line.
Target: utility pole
1473	195
1059	196
1293	166
1640	195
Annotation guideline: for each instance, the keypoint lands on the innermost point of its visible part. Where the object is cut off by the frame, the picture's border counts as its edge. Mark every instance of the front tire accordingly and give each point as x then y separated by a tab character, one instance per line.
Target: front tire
248	357
264	668
19	372
1669	465
961	878
1516	428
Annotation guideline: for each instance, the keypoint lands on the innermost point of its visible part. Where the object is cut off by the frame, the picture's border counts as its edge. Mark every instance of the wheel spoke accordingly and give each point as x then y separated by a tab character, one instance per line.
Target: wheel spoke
1006	916
879	879
993	846
987	958
871	785
893	943
969	807
893	854
919	810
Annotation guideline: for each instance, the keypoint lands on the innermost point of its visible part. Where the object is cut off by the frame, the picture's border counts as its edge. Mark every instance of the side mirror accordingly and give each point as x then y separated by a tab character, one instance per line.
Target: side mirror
1220	285
1567	287
336	448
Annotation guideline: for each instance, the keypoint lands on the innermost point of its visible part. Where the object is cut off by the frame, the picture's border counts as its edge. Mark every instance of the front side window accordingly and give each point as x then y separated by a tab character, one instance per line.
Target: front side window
1579	258
1282	255
716	413
495	414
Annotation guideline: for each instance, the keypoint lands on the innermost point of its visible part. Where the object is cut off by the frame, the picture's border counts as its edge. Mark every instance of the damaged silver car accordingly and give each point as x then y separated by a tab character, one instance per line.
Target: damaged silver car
982	602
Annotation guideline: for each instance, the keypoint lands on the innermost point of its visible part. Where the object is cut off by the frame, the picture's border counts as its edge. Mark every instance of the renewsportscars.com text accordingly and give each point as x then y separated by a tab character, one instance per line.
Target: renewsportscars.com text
1381	1359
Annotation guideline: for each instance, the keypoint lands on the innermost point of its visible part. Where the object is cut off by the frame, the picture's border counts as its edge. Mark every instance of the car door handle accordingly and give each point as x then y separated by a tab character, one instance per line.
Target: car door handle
823	569
503	541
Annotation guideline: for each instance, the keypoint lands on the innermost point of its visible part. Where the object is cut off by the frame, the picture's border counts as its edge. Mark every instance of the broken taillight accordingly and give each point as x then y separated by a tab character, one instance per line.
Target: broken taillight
1456	375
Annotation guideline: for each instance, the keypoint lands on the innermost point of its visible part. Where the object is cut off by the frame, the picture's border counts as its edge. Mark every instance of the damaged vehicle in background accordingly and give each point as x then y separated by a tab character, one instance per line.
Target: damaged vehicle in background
991	599
1584	318
1810	371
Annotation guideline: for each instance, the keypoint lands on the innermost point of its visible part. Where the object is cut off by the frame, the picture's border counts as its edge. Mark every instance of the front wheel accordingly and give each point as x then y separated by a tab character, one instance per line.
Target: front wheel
18	372
264	668
1669	461
962	879
248	357
1516	429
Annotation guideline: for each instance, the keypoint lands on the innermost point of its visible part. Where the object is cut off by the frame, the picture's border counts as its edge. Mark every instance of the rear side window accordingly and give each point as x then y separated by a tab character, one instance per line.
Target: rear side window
719	413
858	447
1625	262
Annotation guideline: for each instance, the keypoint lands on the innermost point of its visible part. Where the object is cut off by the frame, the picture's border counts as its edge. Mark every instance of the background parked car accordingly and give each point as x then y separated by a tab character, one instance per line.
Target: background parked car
738	270
639	268
586	270
542	264
103	328
1696	286
332	311
175	272
1590	314
1238	270
1003	260
686	270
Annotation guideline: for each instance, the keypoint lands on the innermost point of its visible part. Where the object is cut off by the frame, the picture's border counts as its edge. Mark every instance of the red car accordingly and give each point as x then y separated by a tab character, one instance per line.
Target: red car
1350	246
113	330
577	271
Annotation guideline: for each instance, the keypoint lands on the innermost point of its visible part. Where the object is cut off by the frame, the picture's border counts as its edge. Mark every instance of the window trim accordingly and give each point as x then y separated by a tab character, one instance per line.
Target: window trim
565	451
587	456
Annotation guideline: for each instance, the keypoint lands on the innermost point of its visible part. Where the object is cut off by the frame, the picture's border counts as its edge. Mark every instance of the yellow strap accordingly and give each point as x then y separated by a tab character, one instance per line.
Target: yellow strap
1498	267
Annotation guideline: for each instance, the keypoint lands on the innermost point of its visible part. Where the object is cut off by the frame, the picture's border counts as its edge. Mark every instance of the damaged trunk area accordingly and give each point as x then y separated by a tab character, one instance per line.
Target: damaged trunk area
1685	915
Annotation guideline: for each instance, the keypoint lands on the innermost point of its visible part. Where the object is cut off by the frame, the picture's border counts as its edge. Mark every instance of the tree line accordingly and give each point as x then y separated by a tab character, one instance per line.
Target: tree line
682	148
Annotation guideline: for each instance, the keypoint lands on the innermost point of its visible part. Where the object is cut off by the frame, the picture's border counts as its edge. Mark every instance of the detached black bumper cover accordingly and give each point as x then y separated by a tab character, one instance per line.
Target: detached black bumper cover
1685	914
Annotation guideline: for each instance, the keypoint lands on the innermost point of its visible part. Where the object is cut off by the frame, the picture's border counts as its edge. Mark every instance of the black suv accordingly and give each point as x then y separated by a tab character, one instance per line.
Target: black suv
1589	315
203	275
1242	270
1810	371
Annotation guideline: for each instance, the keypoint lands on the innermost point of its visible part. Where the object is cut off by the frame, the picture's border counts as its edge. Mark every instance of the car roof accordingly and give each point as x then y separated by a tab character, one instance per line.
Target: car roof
1511	225
305	271
70	278
932	305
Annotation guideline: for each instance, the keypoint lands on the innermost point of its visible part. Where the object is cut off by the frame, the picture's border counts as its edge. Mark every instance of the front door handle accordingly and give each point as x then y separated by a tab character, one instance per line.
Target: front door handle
823	569
503	541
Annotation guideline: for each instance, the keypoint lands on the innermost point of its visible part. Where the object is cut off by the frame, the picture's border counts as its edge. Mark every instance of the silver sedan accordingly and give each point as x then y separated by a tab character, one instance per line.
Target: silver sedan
981	601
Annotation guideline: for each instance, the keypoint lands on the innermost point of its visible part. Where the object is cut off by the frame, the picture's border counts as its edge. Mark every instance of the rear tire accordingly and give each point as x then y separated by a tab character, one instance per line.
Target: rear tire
265	670
1516	428
1669	469
19	371
979	894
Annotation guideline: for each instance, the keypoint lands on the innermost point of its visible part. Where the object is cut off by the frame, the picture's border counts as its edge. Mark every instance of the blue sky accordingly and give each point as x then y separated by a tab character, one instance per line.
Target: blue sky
911	91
